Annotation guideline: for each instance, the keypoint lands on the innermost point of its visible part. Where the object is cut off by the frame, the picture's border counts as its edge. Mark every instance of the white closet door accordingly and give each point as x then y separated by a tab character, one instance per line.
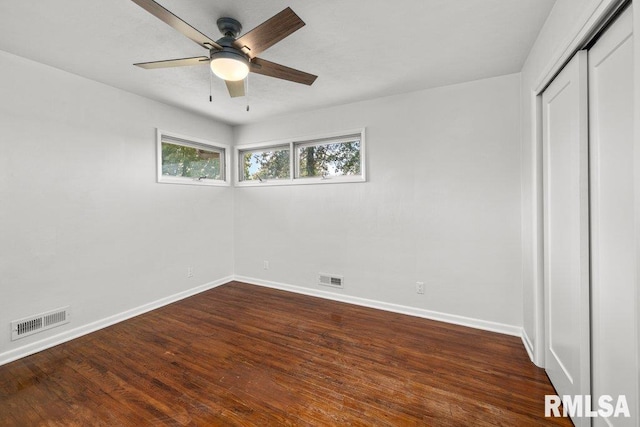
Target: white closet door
612	217
566	231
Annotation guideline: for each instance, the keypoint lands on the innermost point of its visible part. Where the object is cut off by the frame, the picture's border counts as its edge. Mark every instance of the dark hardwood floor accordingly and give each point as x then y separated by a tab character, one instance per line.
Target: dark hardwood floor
251	356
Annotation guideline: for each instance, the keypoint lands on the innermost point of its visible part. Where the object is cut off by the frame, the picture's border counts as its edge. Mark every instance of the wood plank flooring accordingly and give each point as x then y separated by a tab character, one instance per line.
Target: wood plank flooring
251	356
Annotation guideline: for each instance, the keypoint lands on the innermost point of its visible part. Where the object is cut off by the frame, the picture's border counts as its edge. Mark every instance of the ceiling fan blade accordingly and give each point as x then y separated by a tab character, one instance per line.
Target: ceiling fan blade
271	69
169	18
236	88
182	62
269	32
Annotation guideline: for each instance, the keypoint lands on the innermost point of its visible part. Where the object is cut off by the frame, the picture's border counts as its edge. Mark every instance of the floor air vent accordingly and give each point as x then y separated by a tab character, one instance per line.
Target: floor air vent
331	280
42	322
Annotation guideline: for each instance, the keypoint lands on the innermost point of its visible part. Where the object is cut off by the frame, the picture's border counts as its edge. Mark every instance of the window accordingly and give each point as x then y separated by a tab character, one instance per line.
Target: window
326	159
185	160
262	164
330	157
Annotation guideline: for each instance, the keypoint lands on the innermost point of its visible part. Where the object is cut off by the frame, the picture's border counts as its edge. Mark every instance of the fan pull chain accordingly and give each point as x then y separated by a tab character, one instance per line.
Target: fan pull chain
210	84
246	90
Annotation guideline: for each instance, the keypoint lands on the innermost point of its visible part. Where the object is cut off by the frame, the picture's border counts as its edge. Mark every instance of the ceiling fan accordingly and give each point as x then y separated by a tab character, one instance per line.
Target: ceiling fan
231	57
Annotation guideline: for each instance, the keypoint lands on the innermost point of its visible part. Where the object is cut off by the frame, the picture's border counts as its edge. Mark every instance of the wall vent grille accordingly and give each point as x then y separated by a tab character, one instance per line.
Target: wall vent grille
331	280
41	322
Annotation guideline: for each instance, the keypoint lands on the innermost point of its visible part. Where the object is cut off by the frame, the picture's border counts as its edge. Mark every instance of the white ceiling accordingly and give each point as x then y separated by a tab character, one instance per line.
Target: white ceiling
360	49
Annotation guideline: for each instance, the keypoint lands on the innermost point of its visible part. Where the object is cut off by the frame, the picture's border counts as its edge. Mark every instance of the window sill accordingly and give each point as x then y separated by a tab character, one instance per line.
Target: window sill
189	181
301	181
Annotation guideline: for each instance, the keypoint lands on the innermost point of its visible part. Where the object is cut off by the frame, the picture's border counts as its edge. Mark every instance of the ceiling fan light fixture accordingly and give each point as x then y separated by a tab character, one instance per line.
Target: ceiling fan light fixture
229	65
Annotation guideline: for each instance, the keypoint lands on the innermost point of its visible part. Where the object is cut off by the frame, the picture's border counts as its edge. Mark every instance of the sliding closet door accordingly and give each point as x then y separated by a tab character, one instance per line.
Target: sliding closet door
613	253
566	230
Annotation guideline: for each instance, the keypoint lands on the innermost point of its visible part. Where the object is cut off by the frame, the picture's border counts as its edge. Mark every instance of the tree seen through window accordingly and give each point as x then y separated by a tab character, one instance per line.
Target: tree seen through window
191	162
333	159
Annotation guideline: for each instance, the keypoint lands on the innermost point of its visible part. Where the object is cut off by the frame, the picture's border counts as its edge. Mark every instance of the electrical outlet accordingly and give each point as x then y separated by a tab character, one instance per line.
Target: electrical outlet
265	265
420	287
189	271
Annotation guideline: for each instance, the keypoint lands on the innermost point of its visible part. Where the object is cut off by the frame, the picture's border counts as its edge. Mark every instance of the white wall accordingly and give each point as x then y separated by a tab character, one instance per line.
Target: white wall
82	220
442	205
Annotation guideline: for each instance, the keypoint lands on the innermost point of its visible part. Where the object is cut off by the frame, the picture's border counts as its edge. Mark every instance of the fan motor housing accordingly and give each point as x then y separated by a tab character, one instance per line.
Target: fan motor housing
228	52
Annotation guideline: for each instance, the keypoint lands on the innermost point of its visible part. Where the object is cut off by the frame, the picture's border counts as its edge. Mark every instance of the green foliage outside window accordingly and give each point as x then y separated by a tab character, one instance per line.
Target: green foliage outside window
191	162
330	159
265	165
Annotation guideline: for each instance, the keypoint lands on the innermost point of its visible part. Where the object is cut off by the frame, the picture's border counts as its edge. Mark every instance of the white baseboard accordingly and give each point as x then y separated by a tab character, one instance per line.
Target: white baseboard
69	335
527	345
395	308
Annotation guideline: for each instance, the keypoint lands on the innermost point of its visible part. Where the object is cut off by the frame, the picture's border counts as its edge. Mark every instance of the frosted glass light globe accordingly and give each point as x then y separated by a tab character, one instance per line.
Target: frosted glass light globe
230	69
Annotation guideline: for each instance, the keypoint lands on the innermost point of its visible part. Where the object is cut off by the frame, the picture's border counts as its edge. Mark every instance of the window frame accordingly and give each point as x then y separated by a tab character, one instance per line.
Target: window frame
259	148
189	141
293	144
346	138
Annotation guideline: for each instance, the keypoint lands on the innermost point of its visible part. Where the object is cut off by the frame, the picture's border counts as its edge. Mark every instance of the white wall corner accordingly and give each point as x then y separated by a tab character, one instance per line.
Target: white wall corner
48	342
394	308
